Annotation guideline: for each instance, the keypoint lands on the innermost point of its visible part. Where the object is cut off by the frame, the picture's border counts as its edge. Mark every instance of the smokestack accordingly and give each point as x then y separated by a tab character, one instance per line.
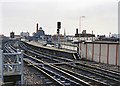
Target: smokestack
77	31
37	28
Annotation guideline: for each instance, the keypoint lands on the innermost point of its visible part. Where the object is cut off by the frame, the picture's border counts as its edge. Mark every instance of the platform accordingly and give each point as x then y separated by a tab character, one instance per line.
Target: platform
51	48
53	51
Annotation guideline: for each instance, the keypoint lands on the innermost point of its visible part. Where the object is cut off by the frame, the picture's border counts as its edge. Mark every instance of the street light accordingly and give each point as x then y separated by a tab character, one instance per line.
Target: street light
80	25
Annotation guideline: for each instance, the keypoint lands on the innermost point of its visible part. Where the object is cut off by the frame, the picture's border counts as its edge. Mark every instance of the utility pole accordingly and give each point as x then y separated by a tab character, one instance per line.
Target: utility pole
80	25
92	35
80	29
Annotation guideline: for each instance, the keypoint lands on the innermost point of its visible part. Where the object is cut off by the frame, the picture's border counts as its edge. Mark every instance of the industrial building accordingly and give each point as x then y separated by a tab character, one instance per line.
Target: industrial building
39	34
24	34
12	34
84	34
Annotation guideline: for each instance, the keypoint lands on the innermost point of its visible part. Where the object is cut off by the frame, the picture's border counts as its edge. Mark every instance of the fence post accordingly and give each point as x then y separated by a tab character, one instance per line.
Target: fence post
1	67
22	77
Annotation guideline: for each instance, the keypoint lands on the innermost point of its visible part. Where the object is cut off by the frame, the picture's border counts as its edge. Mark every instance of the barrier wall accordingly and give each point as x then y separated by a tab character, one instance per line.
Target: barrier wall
103	52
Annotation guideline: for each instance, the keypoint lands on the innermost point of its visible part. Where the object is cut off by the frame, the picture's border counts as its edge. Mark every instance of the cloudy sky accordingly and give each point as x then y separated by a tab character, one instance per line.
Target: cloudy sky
101	16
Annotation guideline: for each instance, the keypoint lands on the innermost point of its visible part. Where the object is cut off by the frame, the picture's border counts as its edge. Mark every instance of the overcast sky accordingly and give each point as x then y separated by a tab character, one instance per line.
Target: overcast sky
101	16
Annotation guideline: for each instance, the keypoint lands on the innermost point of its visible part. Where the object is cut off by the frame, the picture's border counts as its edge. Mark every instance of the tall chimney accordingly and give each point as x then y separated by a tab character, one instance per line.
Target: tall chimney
77	31
37	28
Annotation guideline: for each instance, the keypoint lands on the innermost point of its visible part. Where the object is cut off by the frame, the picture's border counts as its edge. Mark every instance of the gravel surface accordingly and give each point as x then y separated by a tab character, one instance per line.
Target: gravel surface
102	65
31	76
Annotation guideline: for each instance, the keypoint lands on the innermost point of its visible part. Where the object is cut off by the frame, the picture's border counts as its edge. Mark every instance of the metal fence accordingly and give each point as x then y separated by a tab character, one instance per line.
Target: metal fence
10	64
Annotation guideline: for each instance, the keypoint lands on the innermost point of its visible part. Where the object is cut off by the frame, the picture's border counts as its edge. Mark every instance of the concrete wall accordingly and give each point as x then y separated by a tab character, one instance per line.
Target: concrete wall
100	52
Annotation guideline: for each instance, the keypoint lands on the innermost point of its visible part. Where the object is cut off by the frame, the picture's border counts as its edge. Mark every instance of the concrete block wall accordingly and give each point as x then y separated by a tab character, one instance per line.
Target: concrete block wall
100	52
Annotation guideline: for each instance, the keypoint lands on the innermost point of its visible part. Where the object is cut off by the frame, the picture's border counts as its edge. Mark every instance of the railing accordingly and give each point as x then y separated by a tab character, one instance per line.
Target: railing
11	64
1	67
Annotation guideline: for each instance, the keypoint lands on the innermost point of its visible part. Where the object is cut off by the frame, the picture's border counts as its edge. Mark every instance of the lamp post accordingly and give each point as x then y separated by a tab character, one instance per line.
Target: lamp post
80	25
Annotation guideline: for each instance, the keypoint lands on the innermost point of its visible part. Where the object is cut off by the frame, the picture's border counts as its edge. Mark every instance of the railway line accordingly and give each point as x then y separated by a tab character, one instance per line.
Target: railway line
67	71
61	77
111	74
91	74
45	55
104	75
94	64
48	80
106	67
99	72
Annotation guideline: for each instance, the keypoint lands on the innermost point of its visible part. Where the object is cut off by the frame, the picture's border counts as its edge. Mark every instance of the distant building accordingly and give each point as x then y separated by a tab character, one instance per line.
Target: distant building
116	35
39	35
12	34
17	37
84	34
1	39
1	35
55	37
24	34
110	38
48	38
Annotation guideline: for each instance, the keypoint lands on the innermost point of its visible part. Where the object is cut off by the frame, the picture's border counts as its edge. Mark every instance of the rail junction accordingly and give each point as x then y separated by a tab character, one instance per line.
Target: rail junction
62	71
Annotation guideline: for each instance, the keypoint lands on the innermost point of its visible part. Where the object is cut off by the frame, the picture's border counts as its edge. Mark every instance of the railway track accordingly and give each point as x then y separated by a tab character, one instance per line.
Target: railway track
91	74
45	55
48	80
105	81
72	71
103	66
107	77
57	74
94	64
111	74
62	78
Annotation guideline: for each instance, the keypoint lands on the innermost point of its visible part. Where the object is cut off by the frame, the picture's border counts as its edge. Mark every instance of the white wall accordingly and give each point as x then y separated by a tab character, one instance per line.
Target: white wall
89	51
100	52
103	53
96	52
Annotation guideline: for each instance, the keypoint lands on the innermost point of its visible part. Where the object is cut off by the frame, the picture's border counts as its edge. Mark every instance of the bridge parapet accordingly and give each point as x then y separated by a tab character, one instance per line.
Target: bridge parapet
11	67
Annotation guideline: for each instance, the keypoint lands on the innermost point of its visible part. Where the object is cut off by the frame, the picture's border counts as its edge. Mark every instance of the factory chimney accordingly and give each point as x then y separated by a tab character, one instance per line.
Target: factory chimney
36	27
77	31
